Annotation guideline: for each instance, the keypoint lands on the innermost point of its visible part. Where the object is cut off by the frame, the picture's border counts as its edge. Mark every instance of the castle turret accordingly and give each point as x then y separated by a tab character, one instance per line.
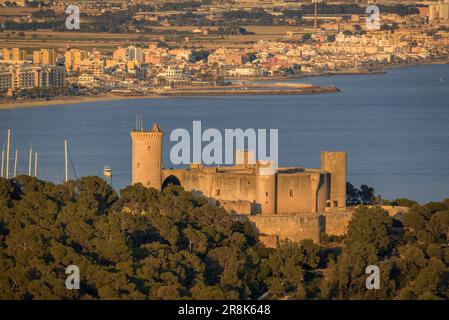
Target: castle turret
266	186
335	164
147	157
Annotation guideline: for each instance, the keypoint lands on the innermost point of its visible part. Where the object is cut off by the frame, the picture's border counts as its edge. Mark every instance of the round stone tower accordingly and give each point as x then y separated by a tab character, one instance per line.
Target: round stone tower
266	186
147	157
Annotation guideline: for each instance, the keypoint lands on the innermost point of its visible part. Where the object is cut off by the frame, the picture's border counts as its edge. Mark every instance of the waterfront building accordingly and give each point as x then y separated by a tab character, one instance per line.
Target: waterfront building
49	76
5	80
25	76
244	72
173	76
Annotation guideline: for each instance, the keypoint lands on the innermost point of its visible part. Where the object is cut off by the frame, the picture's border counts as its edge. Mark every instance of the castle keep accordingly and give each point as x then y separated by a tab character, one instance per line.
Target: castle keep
290	202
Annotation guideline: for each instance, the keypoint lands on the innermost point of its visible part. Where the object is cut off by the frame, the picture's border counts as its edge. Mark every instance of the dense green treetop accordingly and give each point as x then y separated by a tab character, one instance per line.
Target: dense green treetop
147	244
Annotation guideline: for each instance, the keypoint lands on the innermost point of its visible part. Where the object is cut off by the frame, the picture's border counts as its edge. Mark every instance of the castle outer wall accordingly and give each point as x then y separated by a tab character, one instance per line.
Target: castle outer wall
292	202
291	190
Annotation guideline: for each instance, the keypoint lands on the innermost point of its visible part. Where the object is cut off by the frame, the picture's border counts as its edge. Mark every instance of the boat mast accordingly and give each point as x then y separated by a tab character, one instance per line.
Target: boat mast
66	162
8	145
35	164
3	161
30	160
15	163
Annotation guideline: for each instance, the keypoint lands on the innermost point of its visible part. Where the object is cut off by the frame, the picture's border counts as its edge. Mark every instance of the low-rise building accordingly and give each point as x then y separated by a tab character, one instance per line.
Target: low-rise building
244	72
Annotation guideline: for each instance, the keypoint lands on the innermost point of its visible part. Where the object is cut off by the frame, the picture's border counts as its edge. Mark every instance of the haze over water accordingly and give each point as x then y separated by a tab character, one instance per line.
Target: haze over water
395	128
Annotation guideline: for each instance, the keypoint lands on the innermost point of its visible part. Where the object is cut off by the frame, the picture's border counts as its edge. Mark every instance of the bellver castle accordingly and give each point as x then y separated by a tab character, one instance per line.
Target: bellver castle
291	202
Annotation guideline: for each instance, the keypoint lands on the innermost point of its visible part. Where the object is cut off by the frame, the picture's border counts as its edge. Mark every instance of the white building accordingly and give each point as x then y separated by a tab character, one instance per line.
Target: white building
244	72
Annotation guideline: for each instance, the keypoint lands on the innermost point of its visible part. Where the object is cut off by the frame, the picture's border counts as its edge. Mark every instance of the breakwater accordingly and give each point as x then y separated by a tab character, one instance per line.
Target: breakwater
252	91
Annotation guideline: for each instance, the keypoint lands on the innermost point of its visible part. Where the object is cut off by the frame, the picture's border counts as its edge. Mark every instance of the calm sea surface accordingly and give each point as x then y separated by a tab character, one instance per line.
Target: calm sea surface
394	126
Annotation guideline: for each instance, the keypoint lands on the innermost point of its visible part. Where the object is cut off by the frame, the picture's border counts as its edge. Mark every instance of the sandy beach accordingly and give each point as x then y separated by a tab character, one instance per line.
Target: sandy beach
293	88
70	100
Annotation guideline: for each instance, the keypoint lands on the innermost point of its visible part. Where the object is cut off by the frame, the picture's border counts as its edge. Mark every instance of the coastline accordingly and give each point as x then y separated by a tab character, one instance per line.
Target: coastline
198	92
256	89
374	71
70	100
241	92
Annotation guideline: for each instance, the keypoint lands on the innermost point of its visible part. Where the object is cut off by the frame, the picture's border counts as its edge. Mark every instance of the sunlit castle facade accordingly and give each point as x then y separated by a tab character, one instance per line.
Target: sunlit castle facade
244	188
287	202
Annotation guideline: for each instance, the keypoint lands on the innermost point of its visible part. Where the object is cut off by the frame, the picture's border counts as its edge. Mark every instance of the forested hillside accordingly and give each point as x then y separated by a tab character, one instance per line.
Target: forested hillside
146	244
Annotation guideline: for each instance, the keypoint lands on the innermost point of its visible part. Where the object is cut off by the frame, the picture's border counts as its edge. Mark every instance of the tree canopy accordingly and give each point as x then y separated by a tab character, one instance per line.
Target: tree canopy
147	244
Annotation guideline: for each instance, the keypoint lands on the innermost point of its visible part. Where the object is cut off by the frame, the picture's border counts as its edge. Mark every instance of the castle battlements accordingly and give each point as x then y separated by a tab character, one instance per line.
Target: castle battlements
251	188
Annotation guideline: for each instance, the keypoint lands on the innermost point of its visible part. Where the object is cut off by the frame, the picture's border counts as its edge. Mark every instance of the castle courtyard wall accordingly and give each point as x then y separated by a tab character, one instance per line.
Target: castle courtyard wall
292	226
301	192
297	227
336	223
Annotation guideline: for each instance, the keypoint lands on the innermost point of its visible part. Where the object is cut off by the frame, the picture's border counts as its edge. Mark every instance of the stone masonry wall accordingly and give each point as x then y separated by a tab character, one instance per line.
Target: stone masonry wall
294	227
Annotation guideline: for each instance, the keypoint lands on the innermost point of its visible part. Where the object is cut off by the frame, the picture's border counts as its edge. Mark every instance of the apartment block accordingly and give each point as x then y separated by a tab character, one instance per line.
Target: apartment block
44	56
14	54
73	58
